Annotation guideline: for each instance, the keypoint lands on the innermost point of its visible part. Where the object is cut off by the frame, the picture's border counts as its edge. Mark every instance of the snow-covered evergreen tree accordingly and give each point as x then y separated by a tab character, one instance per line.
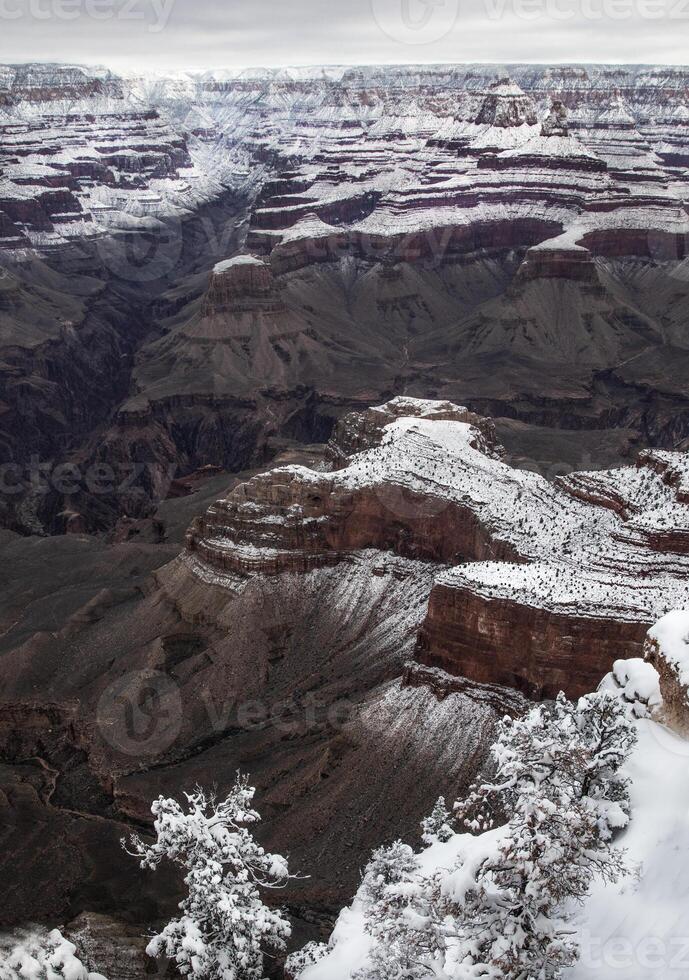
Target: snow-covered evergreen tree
35	955
403	935
558	775
389	865
296	963
437	826
224	928
562	748
544	827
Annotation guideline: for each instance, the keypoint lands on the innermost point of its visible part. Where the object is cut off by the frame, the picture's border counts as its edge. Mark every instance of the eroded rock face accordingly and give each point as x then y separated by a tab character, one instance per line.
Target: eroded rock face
439	231
239	285
295	679
319	633
667	649
535	650
549	584
574	264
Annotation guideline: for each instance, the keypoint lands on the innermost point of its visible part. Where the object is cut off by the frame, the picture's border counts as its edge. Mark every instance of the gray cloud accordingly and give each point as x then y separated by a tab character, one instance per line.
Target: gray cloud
162	34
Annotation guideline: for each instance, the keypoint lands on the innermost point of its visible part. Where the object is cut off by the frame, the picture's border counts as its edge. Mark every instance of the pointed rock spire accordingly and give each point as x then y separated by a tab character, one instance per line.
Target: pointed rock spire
506	105
555	123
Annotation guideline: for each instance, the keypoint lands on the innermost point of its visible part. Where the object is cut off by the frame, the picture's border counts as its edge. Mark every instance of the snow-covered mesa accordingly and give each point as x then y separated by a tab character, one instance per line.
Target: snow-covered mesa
408	142
232	263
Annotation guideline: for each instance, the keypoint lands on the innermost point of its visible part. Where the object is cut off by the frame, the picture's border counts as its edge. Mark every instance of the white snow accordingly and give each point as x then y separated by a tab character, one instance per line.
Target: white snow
34	954
237	260
584	546
637	929
671	633
567	147
637	682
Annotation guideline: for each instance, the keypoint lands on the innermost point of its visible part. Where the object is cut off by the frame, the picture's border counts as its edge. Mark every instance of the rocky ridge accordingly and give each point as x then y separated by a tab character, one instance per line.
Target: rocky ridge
443	231
548	583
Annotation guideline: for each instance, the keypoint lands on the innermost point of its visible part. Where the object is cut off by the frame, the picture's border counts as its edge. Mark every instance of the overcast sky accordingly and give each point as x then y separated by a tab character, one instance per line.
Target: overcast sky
175	34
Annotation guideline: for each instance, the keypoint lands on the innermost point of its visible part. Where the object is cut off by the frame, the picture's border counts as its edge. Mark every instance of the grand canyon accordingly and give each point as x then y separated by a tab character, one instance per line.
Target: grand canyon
343	413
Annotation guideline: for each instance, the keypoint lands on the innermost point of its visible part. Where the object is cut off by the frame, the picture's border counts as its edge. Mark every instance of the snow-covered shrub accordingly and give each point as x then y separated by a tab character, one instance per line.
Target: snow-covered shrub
558	774
37	956
497	903
296	963
224	928
438	825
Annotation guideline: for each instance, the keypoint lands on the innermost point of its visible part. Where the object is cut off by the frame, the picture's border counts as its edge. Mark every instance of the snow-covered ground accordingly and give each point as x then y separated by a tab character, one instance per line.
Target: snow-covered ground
639	928
34	954
634	930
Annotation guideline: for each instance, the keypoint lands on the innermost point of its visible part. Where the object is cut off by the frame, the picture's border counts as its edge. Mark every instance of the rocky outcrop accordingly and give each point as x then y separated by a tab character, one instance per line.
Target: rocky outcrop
535	650
547	261
283	522
113	948
549	584
667	649
361	430
239	285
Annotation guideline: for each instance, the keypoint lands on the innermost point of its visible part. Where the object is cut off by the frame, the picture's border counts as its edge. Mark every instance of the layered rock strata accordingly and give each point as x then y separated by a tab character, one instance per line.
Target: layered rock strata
546	585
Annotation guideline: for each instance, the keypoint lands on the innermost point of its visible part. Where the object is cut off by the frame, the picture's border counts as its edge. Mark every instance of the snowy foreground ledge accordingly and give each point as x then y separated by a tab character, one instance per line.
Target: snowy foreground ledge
635	929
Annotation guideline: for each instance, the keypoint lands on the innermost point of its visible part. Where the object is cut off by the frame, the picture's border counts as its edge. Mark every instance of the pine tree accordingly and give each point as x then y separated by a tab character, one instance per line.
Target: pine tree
389	865
437	827
558	775
224	928
545	825
397	916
